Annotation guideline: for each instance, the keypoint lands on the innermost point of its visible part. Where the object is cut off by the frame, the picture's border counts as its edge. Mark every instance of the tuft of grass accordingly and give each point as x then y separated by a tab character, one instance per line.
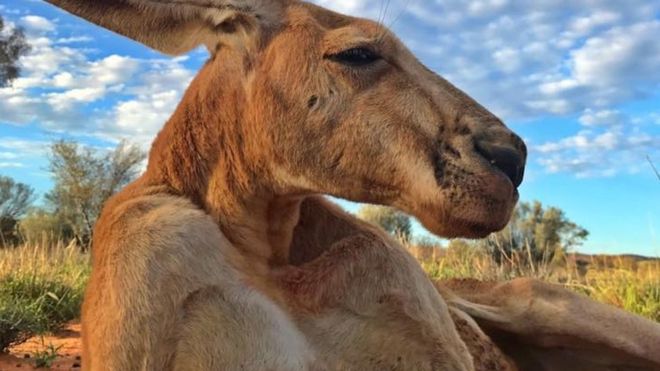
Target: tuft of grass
41	288
45	358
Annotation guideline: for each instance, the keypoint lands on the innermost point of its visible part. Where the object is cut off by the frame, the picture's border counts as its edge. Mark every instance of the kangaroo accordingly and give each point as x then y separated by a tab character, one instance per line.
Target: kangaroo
225	254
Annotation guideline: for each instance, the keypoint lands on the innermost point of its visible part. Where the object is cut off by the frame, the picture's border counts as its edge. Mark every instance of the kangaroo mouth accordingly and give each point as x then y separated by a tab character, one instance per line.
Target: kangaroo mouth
472	198
475	190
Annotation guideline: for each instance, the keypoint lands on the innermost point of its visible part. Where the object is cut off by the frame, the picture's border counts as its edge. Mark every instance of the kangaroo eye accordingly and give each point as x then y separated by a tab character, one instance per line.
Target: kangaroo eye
355	57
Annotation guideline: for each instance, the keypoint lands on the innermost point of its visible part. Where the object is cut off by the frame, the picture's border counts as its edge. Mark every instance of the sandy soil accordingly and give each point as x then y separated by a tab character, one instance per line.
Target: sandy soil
21	357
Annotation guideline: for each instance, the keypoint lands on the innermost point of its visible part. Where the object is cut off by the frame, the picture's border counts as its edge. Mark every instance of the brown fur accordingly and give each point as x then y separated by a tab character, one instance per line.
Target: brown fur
224	256
546	327
486	354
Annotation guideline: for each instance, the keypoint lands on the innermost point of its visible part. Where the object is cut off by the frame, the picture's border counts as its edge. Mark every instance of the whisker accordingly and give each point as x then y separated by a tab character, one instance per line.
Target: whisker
403	10
381	22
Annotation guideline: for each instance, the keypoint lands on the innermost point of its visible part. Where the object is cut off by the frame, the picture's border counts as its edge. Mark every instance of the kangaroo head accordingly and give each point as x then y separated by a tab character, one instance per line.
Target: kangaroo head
321	102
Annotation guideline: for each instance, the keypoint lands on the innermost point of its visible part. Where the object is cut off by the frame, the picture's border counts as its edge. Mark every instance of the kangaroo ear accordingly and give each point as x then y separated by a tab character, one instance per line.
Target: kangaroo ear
176	26
546	327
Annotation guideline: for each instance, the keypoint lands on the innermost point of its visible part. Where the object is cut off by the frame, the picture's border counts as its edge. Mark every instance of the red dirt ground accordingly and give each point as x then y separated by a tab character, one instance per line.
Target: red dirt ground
21	357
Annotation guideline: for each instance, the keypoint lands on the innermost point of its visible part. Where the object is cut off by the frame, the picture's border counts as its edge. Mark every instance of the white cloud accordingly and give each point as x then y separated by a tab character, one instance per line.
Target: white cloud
90	82
585	25
623	55
63	80
604	149
556	106
23	147
484	7
6	10
155	97
145	115
507	59
8	156
602	118
114	69
16	153
67	100
620	64
353	6
37	23
558	87
73	40
6	164
45	59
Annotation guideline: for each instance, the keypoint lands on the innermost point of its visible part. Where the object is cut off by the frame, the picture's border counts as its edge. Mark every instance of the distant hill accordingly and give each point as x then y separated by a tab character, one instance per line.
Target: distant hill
610	261
634	257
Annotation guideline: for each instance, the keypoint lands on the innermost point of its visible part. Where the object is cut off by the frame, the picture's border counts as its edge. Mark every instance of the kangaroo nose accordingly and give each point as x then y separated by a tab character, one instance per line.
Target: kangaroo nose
510	159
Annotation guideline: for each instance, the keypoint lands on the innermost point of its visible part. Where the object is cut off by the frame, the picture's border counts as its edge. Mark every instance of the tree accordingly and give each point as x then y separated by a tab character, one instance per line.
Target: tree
12	46
536	233
15	198
390	219
85	178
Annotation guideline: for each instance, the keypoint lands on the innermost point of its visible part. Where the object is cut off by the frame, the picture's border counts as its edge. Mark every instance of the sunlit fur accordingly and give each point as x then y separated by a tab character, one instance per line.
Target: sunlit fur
223	254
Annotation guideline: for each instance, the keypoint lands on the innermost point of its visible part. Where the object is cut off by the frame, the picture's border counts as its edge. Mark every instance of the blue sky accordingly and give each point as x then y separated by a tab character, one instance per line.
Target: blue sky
579	80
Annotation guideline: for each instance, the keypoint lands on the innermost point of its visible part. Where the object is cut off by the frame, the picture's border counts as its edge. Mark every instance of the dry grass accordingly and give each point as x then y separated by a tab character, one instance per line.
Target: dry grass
620	281
58	260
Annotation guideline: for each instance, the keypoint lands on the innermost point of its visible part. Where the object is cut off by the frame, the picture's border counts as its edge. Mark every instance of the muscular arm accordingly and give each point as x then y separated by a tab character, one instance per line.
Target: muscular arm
360	297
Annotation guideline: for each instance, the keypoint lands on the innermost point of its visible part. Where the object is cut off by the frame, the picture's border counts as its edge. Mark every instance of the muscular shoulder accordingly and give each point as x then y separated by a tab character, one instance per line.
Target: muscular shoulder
151	223
156	242
145	212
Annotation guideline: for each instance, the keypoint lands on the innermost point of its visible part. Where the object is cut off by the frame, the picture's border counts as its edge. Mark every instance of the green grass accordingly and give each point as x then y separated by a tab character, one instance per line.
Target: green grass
40	290
45	358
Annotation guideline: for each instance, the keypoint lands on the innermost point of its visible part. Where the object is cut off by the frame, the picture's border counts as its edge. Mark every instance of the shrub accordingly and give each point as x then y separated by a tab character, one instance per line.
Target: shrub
32	305
41	288
45	228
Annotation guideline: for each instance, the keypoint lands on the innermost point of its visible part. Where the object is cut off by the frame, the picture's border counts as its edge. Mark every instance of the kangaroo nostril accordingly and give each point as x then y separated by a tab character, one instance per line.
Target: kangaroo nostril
507	159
